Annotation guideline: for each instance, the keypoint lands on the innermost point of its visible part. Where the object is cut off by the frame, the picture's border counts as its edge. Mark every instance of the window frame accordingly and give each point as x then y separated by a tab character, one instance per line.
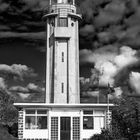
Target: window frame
93	114
36	115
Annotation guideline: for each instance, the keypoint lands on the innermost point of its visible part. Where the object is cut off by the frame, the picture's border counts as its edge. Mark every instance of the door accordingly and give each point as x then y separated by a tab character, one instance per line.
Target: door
65	125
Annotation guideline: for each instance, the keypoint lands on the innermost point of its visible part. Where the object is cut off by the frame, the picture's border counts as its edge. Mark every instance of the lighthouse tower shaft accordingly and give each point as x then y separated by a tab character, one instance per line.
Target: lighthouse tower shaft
62	72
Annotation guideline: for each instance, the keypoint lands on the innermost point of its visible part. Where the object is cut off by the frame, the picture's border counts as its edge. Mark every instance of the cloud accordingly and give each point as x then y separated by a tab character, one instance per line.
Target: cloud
17	71
111	68
27	93
25	20
114	22
105	22
108	71
30	88
19	89
3	85
28	36
87	30
23	96
127	57
3	6
107	53
36	4
106	25
34	88
85	56
109	61
111	14
134	79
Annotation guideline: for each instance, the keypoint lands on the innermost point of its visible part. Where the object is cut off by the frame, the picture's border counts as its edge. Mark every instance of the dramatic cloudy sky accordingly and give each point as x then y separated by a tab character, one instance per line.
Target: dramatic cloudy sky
109	46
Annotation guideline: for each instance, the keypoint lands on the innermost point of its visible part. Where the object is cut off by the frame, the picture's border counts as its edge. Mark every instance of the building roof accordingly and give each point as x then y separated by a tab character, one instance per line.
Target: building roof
61	105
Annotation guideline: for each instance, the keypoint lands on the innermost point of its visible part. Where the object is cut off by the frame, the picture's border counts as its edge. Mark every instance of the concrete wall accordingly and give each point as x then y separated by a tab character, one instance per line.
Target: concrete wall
68	71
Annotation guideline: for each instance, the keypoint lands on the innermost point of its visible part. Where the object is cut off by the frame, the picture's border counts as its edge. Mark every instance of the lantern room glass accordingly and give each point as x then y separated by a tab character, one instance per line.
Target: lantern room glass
62	1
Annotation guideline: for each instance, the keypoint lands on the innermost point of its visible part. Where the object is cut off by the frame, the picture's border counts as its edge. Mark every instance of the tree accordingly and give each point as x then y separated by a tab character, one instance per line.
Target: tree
125	118
125	121
8	113
105	135
8	116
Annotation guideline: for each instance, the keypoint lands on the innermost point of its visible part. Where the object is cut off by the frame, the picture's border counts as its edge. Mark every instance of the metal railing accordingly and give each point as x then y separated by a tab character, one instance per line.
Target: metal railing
60	8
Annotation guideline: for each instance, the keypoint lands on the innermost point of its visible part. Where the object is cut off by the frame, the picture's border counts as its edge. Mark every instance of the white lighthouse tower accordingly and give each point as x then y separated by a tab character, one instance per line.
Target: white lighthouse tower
62	72
61	116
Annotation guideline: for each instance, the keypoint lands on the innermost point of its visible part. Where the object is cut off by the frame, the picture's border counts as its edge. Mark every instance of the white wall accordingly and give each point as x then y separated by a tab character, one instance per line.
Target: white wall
35	134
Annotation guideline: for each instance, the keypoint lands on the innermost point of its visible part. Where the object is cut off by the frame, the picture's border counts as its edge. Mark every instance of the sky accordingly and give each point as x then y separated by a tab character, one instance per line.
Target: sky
109	42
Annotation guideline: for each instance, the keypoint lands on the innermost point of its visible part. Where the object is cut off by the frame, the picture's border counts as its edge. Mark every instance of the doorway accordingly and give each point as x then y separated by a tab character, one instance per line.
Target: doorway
65	128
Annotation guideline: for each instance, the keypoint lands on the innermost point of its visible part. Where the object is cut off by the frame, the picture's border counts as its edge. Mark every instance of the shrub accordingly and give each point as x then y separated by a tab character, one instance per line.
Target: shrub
105	135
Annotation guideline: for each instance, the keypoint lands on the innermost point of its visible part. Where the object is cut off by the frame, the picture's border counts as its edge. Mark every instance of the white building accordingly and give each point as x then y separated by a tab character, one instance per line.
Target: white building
61	116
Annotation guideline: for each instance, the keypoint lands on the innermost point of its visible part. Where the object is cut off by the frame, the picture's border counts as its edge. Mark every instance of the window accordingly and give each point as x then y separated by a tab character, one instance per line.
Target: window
88	119
62	87
88	122
62	56
35	119
88	112
99	112
93	119
62	22
52	22
52	25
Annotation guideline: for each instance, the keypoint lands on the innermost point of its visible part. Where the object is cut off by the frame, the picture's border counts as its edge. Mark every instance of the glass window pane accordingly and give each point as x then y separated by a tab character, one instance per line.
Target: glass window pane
88	112
30	122
42	122
88	122
31	111
62	22
41	111
99	112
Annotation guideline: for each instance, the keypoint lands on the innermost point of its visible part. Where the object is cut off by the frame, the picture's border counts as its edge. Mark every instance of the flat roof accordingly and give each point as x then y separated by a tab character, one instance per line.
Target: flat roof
61	105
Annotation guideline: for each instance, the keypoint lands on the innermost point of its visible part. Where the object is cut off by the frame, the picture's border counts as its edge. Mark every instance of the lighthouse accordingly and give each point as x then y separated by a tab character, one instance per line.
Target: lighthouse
62	61
62	116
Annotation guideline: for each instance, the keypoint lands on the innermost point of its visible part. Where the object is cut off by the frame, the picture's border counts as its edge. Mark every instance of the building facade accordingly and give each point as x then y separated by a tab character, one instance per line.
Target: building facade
61	116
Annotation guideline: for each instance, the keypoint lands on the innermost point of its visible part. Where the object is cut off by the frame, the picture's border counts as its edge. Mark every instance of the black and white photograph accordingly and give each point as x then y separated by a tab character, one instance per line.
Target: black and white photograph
69	69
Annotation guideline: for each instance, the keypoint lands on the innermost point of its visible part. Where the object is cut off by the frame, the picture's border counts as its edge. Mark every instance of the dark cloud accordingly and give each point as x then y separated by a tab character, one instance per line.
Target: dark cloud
105	22
114	22
87	30
30	93
22	15
27	36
